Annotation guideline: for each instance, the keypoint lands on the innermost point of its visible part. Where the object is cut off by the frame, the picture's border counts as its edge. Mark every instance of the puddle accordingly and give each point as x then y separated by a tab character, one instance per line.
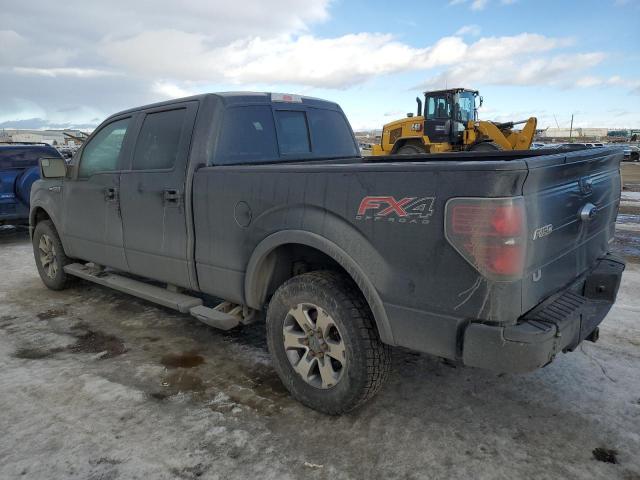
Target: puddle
88	342
182	360
605	455
98	342
52	313
35	353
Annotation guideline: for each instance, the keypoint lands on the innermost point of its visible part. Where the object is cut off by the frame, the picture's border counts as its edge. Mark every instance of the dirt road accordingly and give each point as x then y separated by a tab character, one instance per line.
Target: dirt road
98	385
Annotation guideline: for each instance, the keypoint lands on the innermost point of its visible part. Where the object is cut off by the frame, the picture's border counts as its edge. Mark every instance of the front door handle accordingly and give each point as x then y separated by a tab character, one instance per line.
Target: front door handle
171	195
110	194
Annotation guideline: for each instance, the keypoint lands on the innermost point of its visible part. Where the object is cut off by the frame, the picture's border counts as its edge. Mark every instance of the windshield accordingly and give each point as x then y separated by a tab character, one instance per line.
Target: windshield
466	106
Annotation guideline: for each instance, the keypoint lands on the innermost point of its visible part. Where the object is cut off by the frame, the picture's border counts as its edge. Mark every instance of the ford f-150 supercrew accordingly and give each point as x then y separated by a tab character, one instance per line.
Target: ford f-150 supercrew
497	260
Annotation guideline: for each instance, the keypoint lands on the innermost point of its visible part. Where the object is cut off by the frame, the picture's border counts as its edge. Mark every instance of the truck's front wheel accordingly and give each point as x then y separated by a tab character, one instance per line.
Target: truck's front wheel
324	344
50	256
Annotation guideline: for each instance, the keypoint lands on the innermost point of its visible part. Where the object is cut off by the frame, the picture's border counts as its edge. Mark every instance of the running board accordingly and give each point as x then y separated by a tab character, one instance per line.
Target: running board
224	316
175	300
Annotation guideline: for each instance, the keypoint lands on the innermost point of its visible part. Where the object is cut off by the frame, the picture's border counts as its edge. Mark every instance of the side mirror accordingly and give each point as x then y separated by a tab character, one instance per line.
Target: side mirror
53	167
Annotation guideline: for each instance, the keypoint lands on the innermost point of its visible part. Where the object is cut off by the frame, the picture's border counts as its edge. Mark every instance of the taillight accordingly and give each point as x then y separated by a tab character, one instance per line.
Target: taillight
489	233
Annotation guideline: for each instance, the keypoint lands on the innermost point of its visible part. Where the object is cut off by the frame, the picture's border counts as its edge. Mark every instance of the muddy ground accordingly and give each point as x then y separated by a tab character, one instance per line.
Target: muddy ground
98	385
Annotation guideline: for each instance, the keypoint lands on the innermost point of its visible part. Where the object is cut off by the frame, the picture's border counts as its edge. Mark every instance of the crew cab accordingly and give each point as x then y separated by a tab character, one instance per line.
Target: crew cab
18	170
244	207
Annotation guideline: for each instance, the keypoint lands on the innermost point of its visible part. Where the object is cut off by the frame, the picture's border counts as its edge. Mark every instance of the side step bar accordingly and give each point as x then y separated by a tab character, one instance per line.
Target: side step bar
224	316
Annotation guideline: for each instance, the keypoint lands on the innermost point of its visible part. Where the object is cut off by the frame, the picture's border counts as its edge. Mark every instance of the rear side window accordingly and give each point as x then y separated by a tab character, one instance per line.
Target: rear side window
293	132
102	152
248	135
331	134
159	140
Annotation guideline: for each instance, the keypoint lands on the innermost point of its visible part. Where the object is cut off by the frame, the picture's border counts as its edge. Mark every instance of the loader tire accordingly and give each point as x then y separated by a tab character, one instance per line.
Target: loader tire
485	147
410	150
324	343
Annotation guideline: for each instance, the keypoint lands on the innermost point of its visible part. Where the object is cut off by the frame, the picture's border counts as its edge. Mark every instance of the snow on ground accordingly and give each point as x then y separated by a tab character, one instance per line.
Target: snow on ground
98	385
630	196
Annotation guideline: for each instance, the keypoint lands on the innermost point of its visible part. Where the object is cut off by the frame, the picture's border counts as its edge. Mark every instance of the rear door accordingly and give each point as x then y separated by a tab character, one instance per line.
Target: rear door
91	220
572	202
152	195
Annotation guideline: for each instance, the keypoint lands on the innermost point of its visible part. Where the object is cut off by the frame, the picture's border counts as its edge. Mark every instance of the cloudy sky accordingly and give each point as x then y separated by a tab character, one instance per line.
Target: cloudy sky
73	63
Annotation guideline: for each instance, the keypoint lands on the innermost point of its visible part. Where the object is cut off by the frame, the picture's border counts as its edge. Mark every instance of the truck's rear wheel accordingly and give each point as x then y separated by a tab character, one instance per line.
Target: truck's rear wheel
485	147
324	344
410	150
50	257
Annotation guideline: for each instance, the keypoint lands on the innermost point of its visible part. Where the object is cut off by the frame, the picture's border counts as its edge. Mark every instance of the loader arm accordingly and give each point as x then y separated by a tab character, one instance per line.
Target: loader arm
509	139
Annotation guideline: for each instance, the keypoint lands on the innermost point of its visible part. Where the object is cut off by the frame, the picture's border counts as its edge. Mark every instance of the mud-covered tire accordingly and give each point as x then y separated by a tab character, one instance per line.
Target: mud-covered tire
410	149
52	274
367	362
485	147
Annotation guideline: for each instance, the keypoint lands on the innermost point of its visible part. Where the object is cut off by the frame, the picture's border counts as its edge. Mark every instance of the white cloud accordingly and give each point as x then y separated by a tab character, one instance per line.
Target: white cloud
478	5
516	60
164	49
473	30
301	60
63	72
613	81
169	90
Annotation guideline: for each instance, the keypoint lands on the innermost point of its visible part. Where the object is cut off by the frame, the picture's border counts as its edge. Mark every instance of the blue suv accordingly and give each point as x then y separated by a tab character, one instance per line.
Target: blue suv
18	170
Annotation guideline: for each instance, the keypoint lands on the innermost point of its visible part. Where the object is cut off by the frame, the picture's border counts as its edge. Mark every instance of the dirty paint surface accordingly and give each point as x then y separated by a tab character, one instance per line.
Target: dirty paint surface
96	384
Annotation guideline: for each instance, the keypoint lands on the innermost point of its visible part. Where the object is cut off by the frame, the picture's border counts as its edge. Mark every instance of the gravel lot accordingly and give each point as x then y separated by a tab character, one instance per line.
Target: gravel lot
98	385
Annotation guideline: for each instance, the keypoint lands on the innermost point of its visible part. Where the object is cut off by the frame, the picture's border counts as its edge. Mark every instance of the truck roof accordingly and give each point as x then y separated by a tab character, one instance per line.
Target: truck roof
230	98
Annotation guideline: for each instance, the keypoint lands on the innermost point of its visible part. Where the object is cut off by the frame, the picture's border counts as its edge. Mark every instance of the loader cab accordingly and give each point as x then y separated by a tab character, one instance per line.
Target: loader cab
447	112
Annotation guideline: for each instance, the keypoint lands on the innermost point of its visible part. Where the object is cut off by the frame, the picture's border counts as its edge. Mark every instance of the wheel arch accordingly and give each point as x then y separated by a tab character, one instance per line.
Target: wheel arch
401	142
37	215
269	266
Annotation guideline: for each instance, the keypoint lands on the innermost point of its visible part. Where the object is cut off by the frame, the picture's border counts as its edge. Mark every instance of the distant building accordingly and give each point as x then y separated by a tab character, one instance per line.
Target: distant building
596	133
52	137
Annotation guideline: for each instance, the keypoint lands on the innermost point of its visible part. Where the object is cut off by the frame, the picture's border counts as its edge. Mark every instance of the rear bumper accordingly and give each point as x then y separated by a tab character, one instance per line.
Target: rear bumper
557	325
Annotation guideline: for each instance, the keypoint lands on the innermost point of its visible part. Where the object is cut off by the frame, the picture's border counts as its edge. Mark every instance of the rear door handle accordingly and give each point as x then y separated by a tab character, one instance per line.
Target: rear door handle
110	194
172	196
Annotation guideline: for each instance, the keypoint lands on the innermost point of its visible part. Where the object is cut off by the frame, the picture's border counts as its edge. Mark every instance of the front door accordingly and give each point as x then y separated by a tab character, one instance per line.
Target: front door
152	195
437	121
91	222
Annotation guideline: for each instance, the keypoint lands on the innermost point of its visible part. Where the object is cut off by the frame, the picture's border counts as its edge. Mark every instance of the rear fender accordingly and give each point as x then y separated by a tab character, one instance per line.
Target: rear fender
255	273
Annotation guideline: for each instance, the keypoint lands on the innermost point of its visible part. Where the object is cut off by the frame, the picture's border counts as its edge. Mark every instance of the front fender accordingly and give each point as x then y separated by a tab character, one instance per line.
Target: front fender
47	195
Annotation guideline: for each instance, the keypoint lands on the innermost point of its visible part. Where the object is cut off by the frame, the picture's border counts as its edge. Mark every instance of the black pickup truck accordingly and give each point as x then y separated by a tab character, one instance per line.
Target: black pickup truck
497	260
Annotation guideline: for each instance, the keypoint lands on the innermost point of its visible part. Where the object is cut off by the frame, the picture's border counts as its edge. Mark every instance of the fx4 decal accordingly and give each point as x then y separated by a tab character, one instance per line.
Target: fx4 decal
389	209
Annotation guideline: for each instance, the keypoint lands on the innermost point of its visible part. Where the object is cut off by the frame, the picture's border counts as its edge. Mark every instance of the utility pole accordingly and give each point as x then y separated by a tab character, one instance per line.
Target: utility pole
571	128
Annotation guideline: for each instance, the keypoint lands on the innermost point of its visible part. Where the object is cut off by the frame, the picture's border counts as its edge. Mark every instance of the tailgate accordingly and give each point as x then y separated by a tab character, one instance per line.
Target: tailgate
571	202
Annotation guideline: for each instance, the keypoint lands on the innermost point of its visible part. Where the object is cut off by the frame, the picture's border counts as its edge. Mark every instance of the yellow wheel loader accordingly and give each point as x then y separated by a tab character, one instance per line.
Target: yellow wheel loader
450	123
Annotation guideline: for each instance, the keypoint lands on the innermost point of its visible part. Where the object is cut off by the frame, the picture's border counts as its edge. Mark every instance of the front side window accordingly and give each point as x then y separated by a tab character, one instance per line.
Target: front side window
248	135
293	132
466	107
102	152
159	140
